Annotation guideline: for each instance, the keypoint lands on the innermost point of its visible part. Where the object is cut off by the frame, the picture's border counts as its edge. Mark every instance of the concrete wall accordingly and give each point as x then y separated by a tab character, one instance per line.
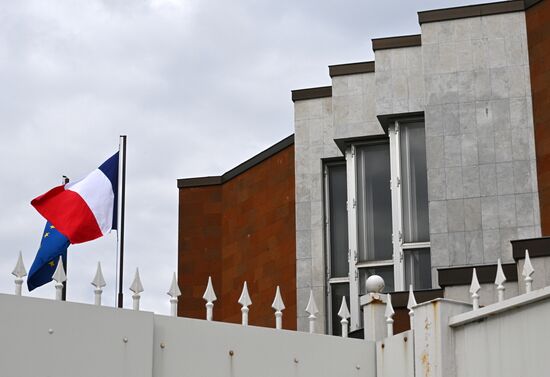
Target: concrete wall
479	136
471	79
58	339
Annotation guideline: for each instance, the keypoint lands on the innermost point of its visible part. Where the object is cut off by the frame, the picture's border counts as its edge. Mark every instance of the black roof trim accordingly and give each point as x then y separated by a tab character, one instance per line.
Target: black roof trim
387	120
486	273
351	68
396	42
311	93
476	10
538	247
218	180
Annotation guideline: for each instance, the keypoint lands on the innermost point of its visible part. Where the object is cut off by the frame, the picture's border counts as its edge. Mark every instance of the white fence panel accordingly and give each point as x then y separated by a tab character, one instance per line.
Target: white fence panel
395	356
197	348
63	339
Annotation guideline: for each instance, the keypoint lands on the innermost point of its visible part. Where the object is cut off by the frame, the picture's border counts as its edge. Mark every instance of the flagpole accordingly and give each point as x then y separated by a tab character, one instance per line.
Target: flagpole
121	202
64	181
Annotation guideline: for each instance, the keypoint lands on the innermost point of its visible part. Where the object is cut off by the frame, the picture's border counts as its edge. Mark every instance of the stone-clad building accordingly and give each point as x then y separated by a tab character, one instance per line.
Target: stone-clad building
416	167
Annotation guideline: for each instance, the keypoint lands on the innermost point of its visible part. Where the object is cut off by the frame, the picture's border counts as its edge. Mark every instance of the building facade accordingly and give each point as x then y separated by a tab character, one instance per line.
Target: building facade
417	166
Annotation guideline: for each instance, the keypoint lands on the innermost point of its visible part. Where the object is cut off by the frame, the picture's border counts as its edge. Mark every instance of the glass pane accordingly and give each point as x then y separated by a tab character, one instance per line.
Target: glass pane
374	202
418	268
337	292
386	272
338	220
414	183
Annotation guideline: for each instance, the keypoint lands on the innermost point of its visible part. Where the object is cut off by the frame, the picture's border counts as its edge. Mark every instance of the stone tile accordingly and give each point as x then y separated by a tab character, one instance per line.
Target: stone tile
486	149
317	215
303	244
398	59
438	216
518	112
455	215
466	57
505	178
318	269
434	121
318	244
303	216
500	110
301	158
470	181
482	84
302	297
435	152
303	273
489	212
457	248
520	141
517	81
491	245
522	177
414	61
484	118
447	32
536	208
524	210
453	151
448	57
448	88
301	132
302	188
467	117
472	214
497	53
526	232
506	235
503	146
453	177
436	184
451	119
469	149
500	83
488	180
507	211
480	53
430	58
439	250
474	247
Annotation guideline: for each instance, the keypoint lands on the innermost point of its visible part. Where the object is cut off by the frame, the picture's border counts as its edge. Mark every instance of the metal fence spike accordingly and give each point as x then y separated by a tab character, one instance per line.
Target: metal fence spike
474	289
278	305
389	315
19	272
209	296
137	288
410	304
528	270
59	277
499	281
98	283
174	292
245	301
312	310
344	314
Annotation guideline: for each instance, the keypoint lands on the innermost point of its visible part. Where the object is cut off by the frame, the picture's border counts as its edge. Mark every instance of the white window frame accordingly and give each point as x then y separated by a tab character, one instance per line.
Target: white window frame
330	280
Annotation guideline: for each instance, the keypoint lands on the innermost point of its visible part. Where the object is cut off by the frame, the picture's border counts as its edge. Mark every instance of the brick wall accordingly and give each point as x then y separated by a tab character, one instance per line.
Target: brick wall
243	229
538	35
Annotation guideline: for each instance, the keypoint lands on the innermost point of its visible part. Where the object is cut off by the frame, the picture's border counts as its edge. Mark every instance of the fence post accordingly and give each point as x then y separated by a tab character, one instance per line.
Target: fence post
278	305
98	283
527	272
410	304
312	310
474	289
499	281
136	288
389	316
245	301
209	296
19	272
174	293
344	314
59	277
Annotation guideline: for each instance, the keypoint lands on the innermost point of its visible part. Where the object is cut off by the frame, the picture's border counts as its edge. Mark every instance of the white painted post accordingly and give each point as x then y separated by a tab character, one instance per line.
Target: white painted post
410	304
499	281
137	288
98	283
527	272
389	316
344	314
174	293
19	272
209	296
278	305
312	310
59	277
474	289
245	301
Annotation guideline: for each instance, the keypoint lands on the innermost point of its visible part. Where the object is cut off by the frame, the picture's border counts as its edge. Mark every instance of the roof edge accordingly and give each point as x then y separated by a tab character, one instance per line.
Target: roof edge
475	10
462	275
385	43
311	93
239	169
351	68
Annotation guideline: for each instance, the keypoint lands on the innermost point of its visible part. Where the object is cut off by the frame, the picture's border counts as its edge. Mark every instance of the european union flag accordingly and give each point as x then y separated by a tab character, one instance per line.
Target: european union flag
53	245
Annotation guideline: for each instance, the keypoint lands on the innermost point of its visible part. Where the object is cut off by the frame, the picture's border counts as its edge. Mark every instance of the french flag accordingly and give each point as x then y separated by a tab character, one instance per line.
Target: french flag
84	210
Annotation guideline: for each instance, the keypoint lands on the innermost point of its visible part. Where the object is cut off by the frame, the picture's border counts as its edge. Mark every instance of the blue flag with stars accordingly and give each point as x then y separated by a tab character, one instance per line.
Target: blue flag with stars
52	245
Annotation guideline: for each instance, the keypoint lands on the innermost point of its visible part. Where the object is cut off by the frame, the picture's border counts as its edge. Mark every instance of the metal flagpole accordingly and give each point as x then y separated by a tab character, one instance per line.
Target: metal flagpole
64	181
121	203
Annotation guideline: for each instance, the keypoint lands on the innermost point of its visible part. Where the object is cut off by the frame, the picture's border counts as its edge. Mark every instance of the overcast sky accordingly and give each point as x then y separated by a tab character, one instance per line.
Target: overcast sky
198	86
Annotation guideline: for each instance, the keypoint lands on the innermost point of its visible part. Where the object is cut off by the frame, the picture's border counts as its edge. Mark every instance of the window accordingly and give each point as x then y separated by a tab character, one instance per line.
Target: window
377	218
336	216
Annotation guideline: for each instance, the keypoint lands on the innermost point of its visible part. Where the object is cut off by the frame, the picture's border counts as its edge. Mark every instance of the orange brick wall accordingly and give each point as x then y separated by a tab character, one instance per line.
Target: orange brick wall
538	34
241	230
